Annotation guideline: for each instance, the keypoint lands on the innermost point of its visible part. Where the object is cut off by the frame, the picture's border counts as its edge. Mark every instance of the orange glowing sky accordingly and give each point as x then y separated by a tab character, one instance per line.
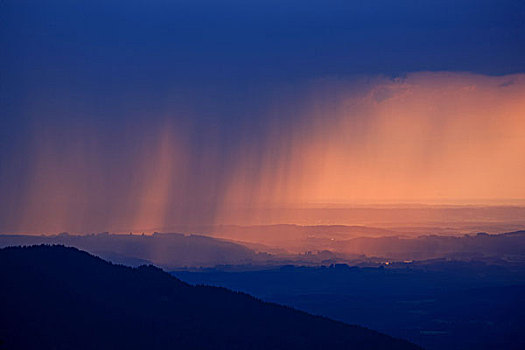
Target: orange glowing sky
428	137
425	138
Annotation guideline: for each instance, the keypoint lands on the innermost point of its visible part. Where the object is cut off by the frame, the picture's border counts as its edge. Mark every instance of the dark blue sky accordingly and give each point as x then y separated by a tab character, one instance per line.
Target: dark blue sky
106	53
114	56
112	59
103	44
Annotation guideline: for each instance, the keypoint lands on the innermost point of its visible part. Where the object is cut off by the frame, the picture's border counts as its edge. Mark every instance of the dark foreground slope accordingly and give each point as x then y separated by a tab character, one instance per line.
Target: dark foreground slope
63	298
439	304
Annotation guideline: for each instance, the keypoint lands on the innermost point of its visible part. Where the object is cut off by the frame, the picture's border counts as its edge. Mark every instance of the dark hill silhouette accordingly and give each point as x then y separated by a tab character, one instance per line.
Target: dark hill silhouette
53	297
441	304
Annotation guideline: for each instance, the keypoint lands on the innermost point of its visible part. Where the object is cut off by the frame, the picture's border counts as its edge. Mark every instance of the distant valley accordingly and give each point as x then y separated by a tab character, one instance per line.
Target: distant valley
308	245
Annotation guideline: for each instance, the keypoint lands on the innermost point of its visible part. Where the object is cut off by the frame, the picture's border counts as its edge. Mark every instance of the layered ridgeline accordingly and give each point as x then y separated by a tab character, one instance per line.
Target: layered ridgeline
284	244
169	250
53	297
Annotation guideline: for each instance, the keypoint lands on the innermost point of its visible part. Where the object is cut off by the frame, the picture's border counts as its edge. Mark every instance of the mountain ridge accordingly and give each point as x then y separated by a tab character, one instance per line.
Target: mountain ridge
59	297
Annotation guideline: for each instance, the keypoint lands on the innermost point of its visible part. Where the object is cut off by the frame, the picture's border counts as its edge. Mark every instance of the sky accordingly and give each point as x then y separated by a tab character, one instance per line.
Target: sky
140	114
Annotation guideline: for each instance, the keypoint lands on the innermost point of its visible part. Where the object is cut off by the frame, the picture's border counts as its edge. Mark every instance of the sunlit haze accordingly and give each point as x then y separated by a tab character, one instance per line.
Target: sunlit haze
423	138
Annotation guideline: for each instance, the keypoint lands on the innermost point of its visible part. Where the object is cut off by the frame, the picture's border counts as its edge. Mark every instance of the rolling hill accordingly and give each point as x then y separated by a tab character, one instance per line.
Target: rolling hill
55	297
